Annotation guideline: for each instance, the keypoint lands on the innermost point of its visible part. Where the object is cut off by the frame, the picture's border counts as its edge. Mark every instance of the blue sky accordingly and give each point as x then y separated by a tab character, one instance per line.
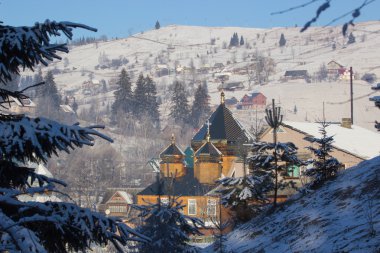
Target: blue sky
119	18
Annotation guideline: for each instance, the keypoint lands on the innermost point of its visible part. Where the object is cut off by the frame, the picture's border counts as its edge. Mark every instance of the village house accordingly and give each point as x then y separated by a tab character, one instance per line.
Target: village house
352	144
335	69
219	66
255	100
296	74
162	70
117	202
191	175
231	86
22	106
231	102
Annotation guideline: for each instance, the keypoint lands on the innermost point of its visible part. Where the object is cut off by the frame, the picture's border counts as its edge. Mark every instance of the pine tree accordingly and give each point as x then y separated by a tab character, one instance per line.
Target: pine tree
123	104
201	107
324	167
282	41
139	109
32	226
151	102
179	109
241	41
166	225
275	157
49	99
351	39
157	25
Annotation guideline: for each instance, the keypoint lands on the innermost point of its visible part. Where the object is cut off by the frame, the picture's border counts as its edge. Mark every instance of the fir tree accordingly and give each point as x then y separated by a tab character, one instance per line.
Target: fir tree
166	225
32	226
324	167
275	157
241	41
157	25
201	107
234	42
123	96
49	99
151	101
140	97
179	109
282	41
351	39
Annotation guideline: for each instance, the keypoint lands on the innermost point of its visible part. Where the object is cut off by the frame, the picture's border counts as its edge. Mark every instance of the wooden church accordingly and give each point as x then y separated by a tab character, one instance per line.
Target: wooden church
191	175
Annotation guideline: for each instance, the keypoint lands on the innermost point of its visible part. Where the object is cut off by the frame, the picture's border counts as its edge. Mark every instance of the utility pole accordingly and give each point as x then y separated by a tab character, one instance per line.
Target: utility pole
352	96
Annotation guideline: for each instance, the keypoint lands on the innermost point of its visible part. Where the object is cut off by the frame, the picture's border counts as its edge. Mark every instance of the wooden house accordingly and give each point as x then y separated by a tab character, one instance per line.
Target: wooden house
352	144
255	100
231	86
335	69
296	74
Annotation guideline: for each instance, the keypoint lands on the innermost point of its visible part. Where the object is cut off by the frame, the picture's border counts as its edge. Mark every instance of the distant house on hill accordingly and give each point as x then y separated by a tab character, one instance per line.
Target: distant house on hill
21	106
231	102
162	70
219	65
296	74
232	86
335	69
254	100
222	77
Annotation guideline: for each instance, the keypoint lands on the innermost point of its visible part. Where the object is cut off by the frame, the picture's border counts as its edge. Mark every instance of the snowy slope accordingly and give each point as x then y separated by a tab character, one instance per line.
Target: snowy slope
181	44
342	216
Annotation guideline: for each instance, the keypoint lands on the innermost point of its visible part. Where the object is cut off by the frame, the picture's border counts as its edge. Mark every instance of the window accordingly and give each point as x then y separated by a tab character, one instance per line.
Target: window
192	207
165	201
118	209
293	171
211	207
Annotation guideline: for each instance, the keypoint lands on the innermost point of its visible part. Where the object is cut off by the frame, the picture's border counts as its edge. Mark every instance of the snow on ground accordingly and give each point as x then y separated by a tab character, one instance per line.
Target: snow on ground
342	216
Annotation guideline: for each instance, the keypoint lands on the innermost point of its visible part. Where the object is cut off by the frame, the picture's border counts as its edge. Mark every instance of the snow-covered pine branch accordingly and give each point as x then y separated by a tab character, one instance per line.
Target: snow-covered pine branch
29	46
35	140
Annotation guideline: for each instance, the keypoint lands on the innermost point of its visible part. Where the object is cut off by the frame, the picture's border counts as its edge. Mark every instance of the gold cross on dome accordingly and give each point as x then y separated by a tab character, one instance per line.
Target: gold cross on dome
208	124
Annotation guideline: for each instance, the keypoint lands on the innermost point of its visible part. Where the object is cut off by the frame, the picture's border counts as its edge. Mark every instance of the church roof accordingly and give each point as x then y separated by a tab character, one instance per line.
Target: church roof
223	126
187	185
172	149
208	149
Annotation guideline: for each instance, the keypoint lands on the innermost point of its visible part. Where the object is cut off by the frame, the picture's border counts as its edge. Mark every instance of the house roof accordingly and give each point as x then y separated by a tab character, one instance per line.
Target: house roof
252	95
356	140
223	126
187	185
295	73
340	65
128	197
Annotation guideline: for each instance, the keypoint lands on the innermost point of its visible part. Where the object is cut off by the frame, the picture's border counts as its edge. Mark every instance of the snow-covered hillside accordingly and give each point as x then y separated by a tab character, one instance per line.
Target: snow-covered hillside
182	45
342	216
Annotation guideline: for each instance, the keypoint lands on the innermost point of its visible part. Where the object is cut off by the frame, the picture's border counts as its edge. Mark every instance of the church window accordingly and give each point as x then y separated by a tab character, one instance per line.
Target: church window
192	206
211	207
165	201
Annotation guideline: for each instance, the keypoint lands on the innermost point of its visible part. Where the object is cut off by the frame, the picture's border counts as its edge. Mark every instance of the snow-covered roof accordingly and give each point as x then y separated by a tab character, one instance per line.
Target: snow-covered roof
67	109
356	140
126	196
42	170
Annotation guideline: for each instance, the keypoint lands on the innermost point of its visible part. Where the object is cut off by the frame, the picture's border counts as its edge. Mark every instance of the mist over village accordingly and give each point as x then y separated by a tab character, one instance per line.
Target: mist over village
190	136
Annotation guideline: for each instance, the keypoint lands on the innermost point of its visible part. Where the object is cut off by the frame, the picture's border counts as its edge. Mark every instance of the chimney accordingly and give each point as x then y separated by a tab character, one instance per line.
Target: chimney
346	122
